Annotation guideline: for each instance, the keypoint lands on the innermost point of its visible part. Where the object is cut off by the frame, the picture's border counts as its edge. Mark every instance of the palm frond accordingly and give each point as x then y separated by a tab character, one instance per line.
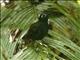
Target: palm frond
65	33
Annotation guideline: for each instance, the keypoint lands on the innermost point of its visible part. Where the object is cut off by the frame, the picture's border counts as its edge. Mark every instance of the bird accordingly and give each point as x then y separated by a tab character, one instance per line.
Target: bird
39	29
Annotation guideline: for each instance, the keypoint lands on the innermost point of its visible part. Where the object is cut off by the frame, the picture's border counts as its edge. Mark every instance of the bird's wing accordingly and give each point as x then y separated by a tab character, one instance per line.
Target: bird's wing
33	28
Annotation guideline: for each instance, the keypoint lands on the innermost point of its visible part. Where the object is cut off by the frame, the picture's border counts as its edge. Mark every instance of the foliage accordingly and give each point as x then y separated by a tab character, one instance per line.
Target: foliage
64	42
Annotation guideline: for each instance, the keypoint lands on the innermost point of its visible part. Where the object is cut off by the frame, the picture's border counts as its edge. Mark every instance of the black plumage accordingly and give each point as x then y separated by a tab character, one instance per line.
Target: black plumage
38	30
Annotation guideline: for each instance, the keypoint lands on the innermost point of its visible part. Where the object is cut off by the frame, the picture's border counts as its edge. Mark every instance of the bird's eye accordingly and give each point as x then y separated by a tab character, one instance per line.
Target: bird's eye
44	15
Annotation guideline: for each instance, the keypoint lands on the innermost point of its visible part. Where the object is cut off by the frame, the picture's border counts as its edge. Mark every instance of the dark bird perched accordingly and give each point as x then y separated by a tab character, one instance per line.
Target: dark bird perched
39	29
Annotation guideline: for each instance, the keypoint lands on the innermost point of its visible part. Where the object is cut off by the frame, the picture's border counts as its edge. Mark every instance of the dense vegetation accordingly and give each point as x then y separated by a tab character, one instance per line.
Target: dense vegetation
63	42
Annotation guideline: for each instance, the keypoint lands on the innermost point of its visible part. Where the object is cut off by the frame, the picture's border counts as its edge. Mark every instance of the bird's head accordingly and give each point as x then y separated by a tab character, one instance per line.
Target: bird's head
43	17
